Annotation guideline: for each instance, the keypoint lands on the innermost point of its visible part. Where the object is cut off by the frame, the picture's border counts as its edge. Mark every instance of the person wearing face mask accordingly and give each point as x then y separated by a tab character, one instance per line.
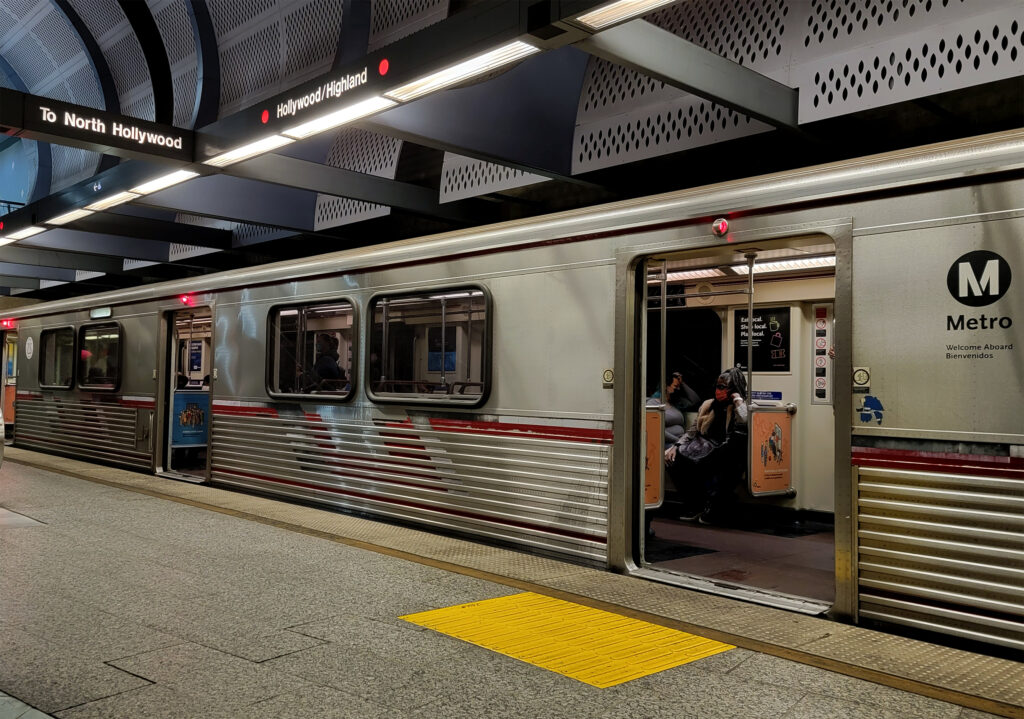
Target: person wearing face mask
707	460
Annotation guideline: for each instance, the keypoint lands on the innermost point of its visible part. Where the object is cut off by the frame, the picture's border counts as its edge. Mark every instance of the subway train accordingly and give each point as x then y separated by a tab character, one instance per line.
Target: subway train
508	383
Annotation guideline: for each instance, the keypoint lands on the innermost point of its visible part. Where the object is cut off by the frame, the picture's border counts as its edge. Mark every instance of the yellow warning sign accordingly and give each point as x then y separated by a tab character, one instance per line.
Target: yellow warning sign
590	645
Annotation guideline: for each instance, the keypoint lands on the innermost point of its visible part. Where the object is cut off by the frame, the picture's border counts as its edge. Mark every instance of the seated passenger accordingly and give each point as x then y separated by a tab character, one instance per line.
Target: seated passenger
706	462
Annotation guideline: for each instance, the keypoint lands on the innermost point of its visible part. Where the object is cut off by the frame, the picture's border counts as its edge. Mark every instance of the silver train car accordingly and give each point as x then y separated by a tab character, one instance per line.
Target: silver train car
506	383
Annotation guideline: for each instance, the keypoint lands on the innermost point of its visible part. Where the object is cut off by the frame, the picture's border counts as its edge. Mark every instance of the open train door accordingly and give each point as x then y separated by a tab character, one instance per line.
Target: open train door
187	402
8	383
738	342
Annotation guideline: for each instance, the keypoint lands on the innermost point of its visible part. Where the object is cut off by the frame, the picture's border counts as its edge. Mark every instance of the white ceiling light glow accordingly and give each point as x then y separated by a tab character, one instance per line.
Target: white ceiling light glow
164	182
466	69
787	265
27	232
340	117
68	217
250	150
6	241
108	202
619	11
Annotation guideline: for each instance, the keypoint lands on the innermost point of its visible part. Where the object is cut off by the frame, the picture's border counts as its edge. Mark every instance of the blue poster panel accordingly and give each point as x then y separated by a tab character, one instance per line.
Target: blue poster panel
190	421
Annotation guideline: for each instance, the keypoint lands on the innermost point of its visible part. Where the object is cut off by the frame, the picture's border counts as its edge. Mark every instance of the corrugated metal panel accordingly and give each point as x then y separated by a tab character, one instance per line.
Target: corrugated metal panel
103	431
549	494
943	552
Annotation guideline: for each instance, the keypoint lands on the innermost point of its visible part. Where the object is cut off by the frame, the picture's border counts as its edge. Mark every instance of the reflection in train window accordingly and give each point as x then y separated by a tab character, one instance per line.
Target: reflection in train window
56	358
311	349
433	347
99	356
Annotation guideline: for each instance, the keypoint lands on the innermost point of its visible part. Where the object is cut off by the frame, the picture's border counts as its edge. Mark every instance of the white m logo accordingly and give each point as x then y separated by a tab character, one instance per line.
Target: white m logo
969	284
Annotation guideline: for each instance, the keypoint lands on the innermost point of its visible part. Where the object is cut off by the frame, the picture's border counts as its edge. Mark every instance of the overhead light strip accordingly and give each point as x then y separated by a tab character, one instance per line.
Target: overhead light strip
340	117
618	11
108	202
27	232
68	217
786	265
464	70
251	149
162	183
6	241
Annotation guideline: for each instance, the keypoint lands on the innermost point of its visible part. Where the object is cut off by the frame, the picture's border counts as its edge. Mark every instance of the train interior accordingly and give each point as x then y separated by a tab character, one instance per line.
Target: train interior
433	345
753	506
190	356
10	379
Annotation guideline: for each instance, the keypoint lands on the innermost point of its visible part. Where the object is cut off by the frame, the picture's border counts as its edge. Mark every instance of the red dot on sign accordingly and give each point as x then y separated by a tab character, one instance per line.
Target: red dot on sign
265	117
382	68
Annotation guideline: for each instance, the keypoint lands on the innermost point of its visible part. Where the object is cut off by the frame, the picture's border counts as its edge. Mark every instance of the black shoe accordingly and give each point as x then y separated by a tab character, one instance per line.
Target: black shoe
707	517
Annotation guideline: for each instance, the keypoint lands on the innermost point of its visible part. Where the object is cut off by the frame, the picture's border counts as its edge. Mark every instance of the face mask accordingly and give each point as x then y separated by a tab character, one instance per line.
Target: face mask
721	394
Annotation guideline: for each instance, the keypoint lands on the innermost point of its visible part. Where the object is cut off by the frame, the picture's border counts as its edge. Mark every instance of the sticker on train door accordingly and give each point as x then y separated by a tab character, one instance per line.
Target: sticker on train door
654	459
771	452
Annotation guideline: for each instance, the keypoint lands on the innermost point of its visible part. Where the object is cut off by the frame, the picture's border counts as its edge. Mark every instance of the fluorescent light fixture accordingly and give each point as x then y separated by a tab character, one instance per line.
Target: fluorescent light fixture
99	313
68	217
6	241
695	274
108	202
271	142
166	181
463	71
785	265
619	11
27	232
340	117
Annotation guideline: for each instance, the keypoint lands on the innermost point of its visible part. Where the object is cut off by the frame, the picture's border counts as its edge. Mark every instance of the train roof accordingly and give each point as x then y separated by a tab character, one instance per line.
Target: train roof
978	156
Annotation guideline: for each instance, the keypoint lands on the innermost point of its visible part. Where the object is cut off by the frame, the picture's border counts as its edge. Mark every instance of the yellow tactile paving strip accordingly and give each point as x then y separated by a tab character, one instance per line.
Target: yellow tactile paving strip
590	645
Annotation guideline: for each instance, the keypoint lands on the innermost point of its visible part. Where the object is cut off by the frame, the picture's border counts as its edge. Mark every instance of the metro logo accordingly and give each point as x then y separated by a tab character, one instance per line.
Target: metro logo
978	278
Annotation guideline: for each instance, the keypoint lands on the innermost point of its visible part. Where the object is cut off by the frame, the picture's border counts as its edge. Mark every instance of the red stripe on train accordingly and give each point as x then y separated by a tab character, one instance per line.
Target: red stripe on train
386	500
142	404
237	410
533	431
947	462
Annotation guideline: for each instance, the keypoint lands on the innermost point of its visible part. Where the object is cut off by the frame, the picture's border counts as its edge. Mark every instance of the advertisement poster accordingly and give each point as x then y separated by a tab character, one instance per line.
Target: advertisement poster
770	452
195	356
190	420
771	339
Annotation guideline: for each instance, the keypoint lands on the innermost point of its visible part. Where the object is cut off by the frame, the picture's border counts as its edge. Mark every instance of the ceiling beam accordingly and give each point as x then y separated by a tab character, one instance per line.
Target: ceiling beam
99	244
524	118
648	49
145	228
140	17
306	175
65	260
18	282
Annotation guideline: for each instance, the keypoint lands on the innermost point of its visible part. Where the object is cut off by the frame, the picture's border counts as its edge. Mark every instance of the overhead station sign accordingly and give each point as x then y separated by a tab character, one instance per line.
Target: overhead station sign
42	118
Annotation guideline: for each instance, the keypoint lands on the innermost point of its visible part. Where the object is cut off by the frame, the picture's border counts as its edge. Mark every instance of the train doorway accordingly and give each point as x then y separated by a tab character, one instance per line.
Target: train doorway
738	492
188	377
9	381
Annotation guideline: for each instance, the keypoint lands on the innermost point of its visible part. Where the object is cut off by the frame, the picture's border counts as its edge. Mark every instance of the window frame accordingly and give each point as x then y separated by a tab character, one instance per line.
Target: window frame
438	400
79	343
41	362
353	370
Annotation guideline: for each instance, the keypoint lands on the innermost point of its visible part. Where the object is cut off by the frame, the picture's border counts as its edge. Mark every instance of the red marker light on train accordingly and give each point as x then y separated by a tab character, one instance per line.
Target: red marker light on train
7	324
720	227
187	300
265	117
383	66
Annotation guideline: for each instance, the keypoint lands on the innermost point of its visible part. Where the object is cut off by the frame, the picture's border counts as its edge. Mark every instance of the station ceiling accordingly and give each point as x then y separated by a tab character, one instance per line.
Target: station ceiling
386	119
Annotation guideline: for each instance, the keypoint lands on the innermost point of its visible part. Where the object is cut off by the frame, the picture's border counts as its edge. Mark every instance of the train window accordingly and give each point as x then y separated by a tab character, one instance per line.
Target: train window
99	364
430	346
56	358
311	350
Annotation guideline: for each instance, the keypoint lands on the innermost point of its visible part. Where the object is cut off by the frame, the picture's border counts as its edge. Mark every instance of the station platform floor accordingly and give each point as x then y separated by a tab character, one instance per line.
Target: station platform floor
128	595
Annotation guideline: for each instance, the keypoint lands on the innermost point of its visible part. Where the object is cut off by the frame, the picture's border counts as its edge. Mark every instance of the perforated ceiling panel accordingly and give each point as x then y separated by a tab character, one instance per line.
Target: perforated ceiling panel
48	56
268	46
626	116
844	56
392	20
362	151
172	19
463	177
928	48
113	33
